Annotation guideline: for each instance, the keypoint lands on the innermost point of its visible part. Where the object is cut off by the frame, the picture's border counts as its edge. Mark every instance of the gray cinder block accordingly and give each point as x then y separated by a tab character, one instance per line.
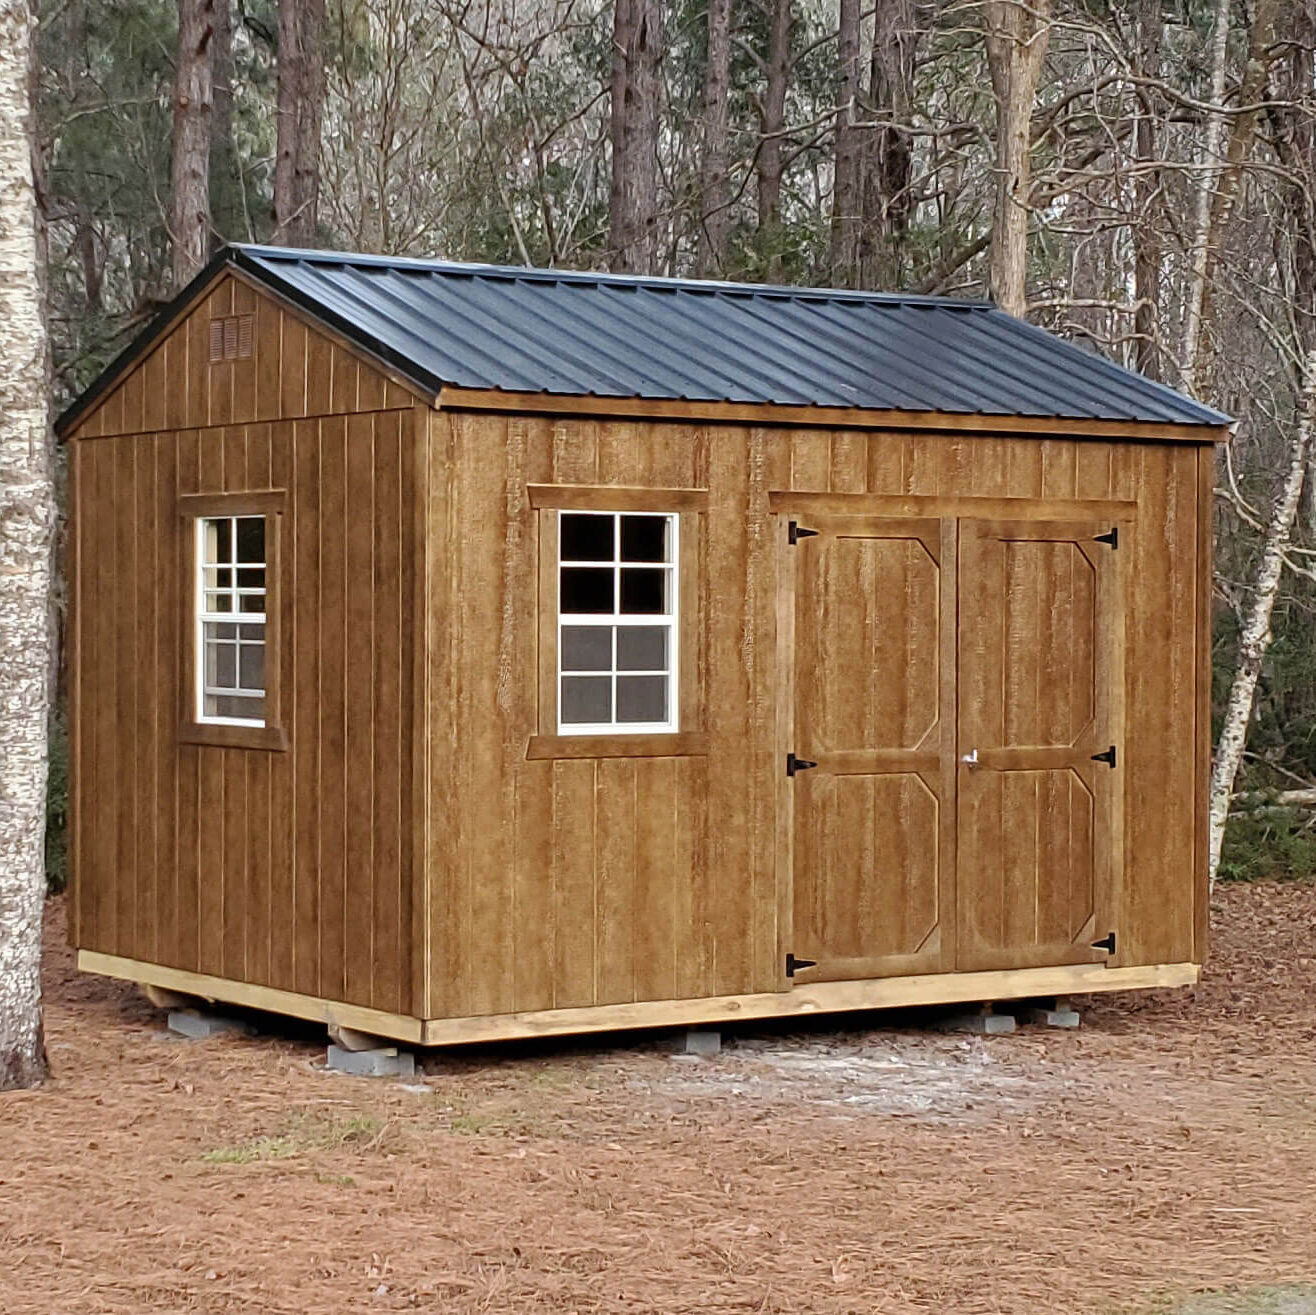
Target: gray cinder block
197	1025
386	1062
981	1023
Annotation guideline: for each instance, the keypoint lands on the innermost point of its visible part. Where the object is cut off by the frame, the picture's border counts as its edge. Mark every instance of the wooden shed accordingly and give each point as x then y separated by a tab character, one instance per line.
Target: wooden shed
461	652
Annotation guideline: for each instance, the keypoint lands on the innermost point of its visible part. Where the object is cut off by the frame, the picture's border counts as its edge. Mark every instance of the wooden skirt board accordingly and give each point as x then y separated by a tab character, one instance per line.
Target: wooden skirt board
958	694
818	998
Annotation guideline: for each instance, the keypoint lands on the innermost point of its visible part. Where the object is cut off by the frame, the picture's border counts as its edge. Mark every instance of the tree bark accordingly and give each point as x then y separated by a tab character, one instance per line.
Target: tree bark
225	181
193	103
1148	250
1207	170
848	150
299	114
769	161
26	523
715	181
637	52
888	160
1017	38
1254	639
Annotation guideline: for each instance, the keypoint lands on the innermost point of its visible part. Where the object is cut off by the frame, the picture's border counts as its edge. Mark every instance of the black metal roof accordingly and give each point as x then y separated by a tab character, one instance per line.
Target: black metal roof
609	335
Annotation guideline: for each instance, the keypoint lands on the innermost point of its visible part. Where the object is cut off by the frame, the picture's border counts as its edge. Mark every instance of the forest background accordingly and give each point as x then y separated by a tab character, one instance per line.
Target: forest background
1136	175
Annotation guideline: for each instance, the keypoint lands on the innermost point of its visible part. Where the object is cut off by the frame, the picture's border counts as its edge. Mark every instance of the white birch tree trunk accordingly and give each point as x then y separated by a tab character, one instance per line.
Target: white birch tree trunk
26	521
1255	637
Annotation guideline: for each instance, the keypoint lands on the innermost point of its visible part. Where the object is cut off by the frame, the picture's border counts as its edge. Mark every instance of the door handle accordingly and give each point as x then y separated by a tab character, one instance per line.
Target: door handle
970	759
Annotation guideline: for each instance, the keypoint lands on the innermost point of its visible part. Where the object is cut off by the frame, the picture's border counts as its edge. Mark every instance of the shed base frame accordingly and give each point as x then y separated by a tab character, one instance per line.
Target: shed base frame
807	998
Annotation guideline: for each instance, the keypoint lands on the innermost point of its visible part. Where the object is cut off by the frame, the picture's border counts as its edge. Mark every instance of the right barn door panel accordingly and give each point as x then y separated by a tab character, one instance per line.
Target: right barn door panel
1040	743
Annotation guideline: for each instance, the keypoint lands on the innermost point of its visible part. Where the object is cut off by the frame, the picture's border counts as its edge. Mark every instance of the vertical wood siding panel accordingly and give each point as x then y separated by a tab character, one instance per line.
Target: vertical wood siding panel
76	658
369	388
362	708
293	364
332	708
343	377
389	949
157	379
811	464
319	373
575	912
268	342
486	625
658	942
127	691
614	868
304	641
282	796
146	679
530	461
96	701
187	898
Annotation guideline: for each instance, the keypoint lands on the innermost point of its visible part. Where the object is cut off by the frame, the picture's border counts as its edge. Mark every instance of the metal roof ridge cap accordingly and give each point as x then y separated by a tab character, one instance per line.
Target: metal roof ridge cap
537	273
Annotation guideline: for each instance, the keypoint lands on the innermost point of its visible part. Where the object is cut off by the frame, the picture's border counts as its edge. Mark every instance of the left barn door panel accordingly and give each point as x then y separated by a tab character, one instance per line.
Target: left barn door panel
874	699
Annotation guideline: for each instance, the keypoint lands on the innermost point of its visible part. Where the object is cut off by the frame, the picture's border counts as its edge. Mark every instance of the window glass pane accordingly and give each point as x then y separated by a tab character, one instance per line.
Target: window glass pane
586	699
586	589
221	665
252	577
219	602
644	590
644	538
251	538
642	648
218	541
641	698
586	648
252	634
251	666
229	705
221	630
251	603
218	578
585	538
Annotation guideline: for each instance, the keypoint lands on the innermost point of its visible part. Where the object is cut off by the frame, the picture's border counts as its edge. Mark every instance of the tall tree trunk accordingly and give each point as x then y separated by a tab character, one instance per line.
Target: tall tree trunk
1254	639
715	181
1147	251
637	51
299	112
225	183
1017	38
26	521
768	165
1208	162
888	161
193	102
848	151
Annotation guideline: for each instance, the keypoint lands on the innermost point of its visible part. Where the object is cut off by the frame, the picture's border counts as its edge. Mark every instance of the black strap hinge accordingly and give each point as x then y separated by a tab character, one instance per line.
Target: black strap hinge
794	764
1106	943
795	532
1106	756
792	963
1112	537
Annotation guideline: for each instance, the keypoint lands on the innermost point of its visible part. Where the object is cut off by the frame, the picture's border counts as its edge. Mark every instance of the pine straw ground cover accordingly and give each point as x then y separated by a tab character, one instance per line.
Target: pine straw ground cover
862	1165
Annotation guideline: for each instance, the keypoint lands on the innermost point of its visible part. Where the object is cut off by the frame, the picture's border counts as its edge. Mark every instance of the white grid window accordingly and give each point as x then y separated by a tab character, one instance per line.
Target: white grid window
617	632
230	610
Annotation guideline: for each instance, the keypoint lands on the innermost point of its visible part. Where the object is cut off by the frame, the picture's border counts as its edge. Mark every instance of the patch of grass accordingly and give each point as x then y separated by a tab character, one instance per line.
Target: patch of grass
335	1179
1277	844
303	1134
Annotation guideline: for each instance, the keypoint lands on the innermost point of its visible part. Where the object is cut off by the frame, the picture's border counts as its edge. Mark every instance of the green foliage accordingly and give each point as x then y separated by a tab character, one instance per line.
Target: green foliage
1270	844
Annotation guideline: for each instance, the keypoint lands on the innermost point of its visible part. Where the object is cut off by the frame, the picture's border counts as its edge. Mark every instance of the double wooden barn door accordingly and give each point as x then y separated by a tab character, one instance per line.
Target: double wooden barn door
955	765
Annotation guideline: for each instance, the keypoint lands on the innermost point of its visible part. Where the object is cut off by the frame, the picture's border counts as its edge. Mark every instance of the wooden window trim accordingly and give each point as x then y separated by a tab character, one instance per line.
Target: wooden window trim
271	504
689	739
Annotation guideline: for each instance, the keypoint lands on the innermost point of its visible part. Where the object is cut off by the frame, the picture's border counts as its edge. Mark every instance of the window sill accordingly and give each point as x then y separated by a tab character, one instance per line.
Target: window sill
682	744
218	736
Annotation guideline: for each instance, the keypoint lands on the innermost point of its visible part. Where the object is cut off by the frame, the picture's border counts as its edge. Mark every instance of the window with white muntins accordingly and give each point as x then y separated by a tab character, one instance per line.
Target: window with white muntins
230	619
617	622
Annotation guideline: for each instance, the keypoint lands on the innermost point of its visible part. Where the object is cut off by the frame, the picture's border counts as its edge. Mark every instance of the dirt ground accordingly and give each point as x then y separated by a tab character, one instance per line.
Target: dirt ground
864	1164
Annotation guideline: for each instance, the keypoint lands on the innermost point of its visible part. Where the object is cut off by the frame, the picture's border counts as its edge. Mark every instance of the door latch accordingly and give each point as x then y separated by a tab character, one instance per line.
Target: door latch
970	759
794	764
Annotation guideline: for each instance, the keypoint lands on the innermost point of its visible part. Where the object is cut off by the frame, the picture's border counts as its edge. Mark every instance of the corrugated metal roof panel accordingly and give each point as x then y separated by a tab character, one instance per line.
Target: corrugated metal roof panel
606	335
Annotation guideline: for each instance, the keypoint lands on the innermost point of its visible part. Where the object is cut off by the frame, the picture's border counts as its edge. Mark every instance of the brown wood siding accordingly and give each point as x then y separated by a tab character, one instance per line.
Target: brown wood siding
577	882
289	869
294	371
